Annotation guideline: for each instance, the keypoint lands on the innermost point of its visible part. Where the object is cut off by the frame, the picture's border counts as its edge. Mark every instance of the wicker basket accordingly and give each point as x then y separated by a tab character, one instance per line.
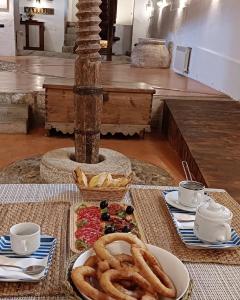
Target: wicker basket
107	193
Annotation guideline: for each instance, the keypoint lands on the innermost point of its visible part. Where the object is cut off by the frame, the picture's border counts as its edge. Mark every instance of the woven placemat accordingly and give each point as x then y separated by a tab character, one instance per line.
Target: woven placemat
159	229
53	219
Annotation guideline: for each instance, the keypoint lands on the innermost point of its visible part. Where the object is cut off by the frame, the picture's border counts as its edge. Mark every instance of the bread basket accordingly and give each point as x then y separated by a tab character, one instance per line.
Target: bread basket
102	193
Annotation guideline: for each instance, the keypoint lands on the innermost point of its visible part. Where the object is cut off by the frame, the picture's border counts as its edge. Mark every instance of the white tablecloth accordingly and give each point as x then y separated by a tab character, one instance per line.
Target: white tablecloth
210	281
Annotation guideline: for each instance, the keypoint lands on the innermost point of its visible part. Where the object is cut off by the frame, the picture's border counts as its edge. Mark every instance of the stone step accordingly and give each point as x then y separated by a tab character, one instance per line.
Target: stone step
13	112
69	43
13	118
14	127
71	24
69	39
70	30
67	49
12	98
14	104
48	54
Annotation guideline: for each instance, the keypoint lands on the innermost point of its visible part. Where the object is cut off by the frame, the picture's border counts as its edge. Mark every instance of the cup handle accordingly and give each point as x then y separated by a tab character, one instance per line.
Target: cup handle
24	243
197	198
227	235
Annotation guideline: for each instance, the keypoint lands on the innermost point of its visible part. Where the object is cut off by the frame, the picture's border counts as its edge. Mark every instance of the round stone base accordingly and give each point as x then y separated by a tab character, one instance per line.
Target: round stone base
57	166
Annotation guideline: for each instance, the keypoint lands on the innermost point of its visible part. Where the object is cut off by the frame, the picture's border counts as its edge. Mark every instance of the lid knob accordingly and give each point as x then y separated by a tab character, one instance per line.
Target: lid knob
214	206
214	210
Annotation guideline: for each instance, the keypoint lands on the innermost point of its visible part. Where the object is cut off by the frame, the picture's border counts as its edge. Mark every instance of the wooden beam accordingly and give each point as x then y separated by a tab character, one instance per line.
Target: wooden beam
87	89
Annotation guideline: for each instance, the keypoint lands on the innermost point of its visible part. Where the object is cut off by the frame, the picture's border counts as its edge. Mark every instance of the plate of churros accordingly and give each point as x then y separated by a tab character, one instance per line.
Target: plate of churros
120	266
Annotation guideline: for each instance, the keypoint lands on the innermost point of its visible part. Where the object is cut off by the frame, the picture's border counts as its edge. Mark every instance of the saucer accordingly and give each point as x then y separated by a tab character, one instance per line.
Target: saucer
44	255
172	199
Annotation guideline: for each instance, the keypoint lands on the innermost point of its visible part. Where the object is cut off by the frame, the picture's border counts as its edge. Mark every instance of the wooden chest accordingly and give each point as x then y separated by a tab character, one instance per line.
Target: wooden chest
126	107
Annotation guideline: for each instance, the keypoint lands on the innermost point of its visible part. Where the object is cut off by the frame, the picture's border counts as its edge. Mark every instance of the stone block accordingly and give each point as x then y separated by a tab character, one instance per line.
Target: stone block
13	118
14	127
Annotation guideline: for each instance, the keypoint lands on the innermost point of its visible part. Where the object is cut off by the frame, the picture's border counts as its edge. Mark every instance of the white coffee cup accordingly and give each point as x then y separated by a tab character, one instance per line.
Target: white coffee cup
190	193
213	222
25	238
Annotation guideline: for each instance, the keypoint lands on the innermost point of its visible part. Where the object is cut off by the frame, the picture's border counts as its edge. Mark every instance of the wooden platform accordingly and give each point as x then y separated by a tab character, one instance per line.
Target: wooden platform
33	70
207	135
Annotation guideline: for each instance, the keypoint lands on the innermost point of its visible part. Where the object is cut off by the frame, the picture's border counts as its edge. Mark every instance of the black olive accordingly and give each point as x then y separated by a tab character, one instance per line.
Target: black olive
105	216
126	228
103	204
129	210
109	229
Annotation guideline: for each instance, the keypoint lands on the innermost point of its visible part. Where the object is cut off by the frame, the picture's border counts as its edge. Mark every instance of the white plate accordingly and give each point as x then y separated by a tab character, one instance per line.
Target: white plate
172	199
170	263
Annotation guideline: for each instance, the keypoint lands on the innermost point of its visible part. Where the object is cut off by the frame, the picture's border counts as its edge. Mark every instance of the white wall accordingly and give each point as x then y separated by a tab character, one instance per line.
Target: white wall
124	44
125	12
69	10
141	21
211	28
54	24
124	27
72	10
7	34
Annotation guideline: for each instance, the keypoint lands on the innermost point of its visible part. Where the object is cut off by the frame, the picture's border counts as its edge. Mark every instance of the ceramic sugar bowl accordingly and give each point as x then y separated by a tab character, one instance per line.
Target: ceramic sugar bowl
213	222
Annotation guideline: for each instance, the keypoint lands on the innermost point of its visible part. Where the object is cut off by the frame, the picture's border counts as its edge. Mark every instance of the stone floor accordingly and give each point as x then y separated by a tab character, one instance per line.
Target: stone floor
115	58
28	171
7	66
46	54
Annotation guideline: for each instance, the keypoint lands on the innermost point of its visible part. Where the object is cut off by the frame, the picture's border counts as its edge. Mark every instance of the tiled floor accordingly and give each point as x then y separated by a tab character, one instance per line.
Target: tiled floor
152	149
29	76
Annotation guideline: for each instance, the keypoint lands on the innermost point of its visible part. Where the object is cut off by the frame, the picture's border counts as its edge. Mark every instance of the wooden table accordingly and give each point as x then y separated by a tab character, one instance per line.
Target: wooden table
210	281
207	135
126	106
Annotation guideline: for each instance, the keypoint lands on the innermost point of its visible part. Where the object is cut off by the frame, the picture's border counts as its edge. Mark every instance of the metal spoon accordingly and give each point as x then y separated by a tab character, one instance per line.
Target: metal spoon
30	270
186	170
182	217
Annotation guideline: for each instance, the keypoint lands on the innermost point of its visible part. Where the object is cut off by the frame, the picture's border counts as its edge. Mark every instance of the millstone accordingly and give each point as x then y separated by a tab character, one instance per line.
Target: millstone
57	165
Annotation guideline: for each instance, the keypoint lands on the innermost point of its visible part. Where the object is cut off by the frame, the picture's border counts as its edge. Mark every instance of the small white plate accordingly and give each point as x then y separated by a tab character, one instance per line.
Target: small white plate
44	254
172	199
170	263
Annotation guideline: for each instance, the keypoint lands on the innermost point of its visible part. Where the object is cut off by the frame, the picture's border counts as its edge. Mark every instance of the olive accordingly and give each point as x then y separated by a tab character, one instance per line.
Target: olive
109	229
126	228
129	210
105	216
103	204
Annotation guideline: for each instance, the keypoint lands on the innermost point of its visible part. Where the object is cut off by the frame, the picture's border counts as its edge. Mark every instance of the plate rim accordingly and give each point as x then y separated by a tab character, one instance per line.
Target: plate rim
49	261
178	206
209	246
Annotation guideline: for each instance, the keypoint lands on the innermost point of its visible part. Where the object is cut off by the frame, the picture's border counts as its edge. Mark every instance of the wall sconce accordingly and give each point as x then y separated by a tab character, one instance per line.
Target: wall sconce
163	3
149	8
179	4
183	3
38	3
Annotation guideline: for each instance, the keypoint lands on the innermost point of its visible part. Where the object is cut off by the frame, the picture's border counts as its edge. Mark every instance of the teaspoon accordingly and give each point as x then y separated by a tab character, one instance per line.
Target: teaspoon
30	270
